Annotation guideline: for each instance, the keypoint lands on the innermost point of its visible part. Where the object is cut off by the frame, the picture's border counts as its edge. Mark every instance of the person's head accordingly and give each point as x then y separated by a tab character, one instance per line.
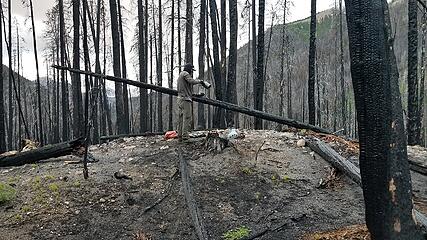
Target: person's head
189	68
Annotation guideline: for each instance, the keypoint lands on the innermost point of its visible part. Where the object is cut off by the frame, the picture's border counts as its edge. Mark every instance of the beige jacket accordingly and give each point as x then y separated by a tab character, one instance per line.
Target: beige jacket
185	85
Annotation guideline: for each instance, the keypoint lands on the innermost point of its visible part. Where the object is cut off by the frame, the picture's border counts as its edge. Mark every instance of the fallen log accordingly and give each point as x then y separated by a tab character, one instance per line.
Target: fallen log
348	168
189	197
417	157
335	159
45	152
208	101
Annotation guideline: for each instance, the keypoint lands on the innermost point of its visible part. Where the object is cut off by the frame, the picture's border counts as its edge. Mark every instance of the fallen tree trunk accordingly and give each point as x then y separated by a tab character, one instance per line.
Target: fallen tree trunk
46	152
417	157
189	197
335	159
348	168
208	101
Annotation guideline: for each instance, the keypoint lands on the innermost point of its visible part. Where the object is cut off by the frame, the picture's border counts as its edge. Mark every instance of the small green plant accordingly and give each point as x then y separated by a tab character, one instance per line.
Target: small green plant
53	187
286	178
77	184
247	170
25	209
49	177
237	234
7	193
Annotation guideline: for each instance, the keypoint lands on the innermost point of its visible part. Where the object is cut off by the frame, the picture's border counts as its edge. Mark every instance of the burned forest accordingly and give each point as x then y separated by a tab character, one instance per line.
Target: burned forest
213	119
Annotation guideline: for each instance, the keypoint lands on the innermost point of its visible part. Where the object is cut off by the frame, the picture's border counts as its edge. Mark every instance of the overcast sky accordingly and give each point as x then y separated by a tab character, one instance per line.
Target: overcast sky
300	10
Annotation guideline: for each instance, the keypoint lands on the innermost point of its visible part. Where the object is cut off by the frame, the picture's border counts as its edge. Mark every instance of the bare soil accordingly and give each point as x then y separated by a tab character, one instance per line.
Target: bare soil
53	201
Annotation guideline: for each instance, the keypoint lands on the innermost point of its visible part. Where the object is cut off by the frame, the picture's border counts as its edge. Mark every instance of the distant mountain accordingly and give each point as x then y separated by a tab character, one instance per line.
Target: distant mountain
327	62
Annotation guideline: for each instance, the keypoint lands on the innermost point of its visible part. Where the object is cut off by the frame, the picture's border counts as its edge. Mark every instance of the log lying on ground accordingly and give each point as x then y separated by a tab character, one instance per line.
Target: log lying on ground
348	168
208	101
189	197
335	159
46	152
418	159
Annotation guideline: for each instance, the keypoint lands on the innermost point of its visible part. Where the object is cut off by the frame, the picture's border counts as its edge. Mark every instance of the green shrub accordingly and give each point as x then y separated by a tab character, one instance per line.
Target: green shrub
7	193
237	234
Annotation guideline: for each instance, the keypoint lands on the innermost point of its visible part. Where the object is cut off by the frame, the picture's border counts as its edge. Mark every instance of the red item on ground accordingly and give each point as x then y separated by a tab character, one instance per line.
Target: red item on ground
171	135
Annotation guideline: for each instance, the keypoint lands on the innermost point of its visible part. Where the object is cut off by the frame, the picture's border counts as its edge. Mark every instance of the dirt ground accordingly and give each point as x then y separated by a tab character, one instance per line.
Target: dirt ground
280	191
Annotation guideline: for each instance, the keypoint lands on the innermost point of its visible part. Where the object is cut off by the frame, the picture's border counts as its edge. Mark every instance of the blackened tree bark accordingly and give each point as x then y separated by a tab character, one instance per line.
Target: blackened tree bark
259	83
189	32
2	110
64	84
143	99
232	62
170	127
121	124
179	35
160	71
383	159
343	89
201	120
282	62
76	81
124	72
41	140
223	44
312	66
413	124
10	100
218	120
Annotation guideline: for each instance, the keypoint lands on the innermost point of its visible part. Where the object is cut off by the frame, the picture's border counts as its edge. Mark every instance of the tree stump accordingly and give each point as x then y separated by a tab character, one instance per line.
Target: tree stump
215	143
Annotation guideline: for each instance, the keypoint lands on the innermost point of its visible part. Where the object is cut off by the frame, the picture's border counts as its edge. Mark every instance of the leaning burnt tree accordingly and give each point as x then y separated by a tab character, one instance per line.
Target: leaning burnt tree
383	160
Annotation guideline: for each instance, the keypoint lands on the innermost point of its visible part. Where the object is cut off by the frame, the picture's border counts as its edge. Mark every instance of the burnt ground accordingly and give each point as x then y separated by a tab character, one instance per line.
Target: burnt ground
53	201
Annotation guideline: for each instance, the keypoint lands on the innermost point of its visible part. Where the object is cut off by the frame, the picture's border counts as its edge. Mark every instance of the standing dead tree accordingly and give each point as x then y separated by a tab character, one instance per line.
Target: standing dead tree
384	166
2	110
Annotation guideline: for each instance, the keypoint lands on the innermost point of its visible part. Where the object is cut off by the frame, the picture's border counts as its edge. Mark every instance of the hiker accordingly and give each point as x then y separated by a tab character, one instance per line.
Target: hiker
185	102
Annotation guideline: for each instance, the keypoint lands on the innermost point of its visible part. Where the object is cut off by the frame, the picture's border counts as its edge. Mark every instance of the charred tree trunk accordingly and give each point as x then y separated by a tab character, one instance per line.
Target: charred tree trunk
76	81
41	140
143	99
282	62
218	120
259	83
10	99
170	115
64	84
159	71
120	121
312	66
2	110
232	63
201	120
413	124
384	165
223	45
188	32
124	72
343	90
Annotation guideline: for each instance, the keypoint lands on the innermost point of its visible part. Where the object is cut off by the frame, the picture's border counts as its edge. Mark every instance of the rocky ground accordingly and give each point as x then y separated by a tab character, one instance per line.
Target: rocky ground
264	180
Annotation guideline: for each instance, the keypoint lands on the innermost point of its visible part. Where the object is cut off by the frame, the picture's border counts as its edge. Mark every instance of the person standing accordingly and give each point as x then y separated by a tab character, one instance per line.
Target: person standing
185	101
